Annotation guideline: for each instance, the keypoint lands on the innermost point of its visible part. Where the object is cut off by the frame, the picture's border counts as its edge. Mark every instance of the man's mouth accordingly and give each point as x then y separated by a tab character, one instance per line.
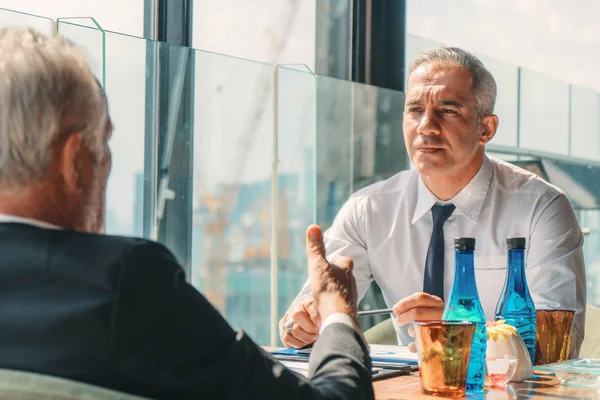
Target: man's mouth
429	150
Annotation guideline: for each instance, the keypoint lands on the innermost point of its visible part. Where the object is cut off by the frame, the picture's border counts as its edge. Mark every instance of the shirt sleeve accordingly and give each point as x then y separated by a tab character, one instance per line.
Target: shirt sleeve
338	318
555	267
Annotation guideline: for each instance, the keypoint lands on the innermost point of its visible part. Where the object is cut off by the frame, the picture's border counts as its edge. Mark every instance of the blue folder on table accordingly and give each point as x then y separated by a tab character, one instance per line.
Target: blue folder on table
380	355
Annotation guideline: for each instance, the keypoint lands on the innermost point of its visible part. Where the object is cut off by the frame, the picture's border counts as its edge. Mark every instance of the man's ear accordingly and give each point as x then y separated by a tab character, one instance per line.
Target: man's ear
70	162
489	125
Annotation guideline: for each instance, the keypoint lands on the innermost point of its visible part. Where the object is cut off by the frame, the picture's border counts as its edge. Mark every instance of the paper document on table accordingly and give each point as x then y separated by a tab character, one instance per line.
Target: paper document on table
391	352
300	367
383	352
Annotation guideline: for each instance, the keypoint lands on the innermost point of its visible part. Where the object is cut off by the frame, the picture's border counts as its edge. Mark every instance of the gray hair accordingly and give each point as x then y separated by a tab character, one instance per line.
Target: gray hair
47	92
484	84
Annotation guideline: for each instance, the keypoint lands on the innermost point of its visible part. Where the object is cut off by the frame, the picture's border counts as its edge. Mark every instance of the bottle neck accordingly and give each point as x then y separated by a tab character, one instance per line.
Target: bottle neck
464	274
517	280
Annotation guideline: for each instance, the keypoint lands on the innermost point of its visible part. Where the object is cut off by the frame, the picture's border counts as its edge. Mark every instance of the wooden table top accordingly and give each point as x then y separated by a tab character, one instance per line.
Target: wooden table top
543	386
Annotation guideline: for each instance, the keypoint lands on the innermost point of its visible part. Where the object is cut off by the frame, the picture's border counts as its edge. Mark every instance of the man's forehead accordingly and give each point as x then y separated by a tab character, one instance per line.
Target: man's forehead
437	80
423	93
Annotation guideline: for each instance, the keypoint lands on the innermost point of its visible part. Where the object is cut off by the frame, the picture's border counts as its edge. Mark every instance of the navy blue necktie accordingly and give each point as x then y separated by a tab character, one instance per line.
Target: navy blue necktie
433	283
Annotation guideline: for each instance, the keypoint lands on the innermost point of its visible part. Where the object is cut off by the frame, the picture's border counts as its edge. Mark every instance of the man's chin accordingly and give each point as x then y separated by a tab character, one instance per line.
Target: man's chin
428	166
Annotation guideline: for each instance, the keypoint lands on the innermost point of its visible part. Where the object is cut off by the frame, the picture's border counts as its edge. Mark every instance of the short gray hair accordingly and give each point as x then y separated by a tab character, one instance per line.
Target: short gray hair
484	84
47	92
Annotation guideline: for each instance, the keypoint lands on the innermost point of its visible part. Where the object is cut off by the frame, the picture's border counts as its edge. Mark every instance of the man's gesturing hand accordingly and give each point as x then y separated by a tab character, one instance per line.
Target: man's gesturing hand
332	284
333	290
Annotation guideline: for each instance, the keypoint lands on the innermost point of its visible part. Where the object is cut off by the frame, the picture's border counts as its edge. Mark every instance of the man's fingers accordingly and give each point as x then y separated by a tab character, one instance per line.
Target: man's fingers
290	341
299	333
305	322
417	300
412	347
315	249
311	309
411	331
419	314
344	263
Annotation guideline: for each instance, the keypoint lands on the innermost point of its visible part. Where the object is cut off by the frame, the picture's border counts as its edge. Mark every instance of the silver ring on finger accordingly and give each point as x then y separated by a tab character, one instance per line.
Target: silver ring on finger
289	326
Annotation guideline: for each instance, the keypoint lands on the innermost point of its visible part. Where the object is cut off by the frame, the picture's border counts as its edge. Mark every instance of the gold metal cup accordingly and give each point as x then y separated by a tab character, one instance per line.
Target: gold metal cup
444	349
553	336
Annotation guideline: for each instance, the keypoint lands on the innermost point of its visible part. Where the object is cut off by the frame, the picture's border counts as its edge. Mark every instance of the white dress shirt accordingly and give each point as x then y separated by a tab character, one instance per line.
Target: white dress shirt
386	228
27	221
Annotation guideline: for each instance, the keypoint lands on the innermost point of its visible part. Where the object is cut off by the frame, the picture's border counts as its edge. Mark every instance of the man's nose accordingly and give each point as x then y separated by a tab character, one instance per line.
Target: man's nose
428	125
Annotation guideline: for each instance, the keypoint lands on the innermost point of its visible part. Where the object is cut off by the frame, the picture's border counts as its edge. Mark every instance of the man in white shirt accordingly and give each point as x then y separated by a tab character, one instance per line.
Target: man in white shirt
388	230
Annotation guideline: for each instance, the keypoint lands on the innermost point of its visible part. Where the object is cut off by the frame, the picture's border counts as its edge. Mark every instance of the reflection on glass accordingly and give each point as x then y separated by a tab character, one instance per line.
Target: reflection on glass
232	183
585	123
589	220
296	182
119	61
416	45
88	34
10	18
544	113
506	109
126	91
334	144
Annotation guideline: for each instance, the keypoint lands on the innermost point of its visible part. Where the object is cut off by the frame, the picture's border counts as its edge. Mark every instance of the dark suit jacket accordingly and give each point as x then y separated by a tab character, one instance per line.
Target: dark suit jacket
117	312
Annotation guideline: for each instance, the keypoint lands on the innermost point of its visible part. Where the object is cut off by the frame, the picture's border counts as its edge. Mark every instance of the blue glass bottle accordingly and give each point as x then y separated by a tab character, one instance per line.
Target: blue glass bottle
515	305
464	305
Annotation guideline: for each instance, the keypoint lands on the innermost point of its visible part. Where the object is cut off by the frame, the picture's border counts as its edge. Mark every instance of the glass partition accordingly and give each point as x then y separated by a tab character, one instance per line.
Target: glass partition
10	18
296	153
119	62
544	113
507	105
232	188
585	123
88	34
415	46
334	145
125	85
359	142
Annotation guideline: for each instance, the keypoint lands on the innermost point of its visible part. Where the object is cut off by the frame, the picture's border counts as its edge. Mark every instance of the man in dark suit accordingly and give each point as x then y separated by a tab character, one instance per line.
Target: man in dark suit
113	311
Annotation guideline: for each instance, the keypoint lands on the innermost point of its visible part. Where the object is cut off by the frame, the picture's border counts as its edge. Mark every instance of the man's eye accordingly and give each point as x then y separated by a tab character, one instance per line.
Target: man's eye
414	110
448	111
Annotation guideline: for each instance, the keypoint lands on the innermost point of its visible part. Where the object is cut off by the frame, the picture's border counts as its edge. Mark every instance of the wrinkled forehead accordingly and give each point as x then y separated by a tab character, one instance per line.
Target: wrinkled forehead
440	81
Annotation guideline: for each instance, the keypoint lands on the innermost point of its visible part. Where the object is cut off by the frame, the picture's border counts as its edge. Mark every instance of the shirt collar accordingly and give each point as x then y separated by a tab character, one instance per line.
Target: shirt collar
468	201
27	221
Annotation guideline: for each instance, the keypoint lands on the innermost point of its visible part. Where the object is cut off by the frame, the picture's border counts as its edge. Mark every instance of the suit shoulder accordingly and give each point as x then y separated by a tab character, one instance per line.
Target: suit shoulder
124	251
510	178
146	257
393	186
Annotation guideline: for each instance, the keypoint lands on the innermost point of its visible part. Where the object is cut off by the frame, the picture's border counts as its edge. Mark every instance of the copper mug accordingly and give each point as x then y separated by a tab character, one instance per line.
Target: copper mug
444	349
553	336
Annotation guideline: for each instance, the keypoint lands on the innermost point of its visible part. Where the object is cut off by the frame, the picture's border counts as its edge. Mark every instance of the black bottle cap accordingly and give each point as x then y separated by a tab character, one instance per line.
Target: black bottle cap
464	243
517	243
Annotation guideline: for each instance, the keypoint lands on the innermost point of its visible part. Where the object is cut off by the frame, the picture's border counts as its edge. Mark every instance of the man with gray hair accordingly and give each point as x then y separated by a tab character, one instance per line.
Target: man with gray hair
399	232
114	311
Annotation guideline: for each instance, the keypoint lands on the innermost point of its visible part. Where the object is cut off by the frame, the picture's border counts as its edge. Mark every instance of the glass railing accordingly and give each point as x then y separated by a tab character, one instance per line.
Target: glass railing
266	150
10	18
